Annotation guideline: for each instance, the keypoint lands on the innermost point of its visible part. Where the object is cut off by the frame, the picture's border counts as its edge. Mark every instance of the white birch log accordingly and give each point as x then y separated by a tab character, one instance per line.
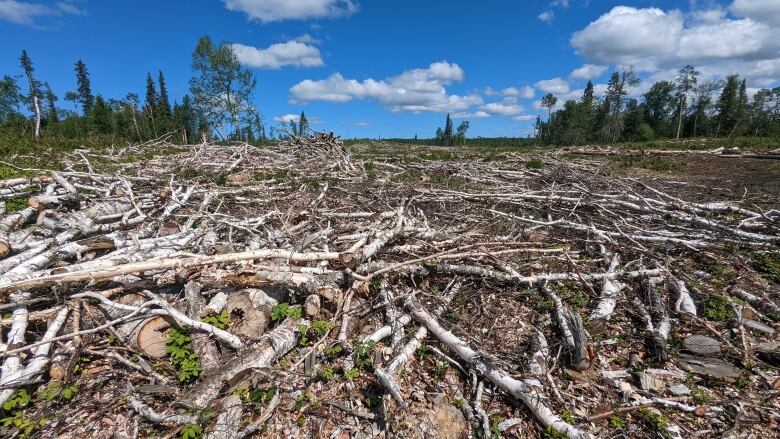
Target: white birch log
500	378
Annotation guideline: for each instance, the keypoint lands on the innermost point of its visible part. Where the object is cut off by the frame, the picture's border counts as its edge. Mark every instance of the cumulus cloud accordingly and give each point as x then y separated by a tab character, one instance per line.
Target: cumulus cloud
417	90
505	108
554	86
471	115
525	92
276	56
651	39
766	11
287	118
588	71
26	13
546	16
267	11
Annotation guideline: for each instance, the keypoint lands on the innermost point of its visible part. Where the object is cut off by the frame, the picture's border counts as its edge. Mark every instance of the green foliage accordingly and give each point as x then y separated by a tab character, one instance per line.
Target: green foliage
220	321
183	358
459	403
616	421
332	351
701	396
551	433
717	307
18	399
23	424
321	327
284	310
534	164
15	204
495	421
568	416
352	374
55	389
327	373
768	264
364	353
191	431
423	351
655	420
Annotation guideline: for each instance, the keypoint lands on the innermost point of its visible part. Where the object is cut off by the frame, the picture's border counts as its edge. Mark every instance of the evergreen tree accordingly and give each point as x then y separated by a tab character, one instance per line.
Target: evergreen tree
303	125
686	80
100	117
151	102
84	89
448	131
163	103
10	98
33	98
51	106
728	106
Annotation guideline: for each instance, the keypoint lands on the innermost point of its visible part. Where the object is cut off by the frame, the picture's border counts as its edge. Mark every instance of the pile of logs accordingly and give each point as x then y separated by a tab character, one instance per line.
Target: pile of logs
298	291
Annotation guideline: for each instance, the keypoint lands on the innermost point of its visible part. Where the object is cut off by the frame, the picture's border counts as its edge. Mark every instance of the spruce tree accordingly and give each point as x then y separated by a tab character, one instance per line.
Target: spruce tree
85	97
303	125
728	106
163	103
448	131
151	102
100	116
33	98
51	106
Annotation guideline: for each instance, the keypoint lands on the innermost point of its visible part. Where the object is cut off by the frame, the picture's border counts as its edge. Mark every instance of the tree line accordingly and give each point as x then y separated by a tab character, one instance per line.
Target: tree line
683	108
220	105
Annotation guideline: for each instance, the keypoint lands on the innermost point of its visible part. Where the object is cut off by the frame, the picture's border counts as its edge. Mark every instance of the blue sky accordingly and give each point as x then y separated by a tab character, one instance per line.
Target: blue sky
368	68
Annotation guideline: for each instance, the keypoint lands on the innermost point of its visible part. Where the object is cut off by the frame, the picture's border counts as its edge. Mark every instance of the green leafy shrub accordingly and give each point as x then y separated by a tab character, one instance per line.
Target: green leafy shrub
283	310
534	164
220	321
183	358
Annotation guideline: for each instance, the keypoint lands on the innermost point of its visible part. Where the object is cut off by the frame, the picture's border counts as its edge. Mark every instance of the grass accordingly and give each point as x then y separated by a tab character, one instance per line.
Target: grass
768	265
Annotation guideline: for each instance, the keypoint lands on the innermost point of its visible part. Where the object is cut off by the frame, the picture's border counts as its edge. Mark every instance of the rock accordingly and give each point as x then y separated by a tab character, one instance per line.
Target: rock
711	367
448	421
680	390
702	345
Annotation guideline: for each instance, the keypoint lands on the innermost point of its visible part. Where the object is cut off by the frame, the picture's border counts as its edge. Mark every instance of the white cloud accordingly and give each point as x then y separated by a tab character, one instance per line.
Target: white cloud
276	56
362	123
502	108
588	71
417	90
765	11
652	39
525	92
306	39
287	118
524	117
26	13
277	10
554	86
471	115
546	16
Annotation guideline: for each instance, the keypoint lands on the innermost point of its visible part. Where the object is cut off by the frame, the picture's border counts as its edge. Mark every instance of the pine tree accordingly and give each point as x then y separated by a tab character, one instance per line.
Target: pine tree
151	102
448	131
33	97
85	97
51	106
163	103
100	116
10	97
303	125
728	106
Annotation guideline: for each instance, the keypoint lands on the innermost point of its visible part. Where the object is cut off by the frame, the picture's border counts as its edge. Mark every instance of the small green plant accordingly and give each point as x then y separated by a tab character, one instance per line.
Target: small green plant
423	351
717	307
55	389
191	431
495	432
534	164
302	330
551	433
327	373
568	416
18	399
23	424
701	396
352	374
220	321
371	401
616	421
768	264
284	310
459	403
332	351
364	354
321	327
15	204
654	420
302	400
183	358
